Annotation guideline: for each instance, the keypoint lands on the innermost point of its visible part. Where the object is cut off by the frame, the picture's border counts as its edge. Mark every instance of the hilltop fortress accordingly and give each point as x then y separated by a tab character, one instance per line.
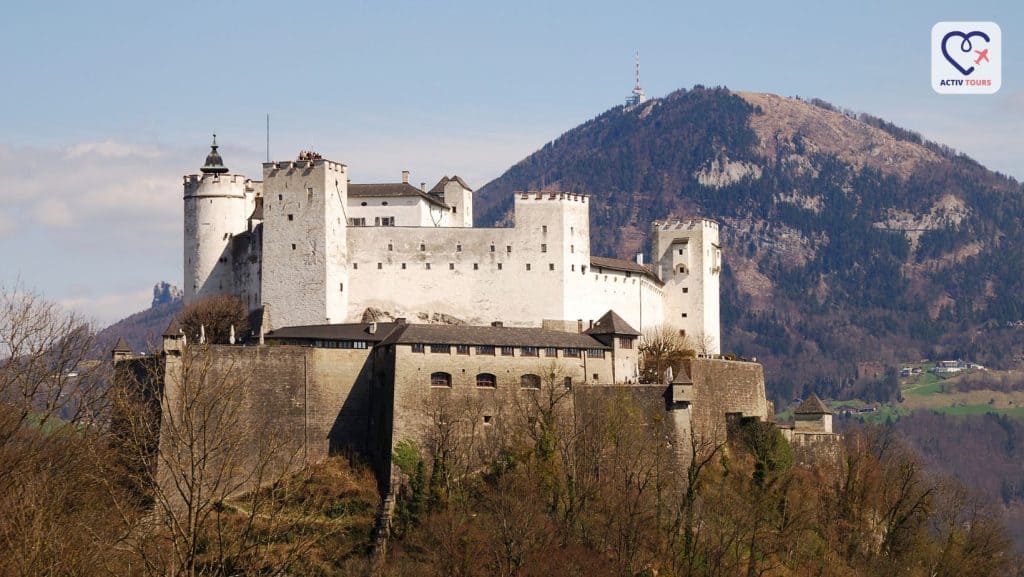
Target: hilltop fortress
309	247
384	316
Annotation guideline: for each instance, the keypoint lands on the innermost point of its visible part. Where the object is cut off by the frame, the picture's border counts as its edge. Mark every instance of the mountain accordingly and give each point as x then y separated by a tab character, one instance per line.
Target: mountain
846	238
142	330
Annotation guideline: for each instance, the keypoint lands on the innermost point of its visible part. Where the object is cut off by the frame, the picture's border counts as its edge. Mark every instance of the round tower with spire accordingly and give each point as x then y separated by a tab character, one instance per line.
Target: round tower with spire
217	205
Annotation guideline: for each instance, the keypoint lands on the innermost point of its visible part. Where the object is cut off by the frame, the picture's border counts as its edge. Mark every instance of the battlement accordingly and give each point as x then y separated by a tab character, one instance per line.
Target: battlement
197	178
291	165
543	196
685	224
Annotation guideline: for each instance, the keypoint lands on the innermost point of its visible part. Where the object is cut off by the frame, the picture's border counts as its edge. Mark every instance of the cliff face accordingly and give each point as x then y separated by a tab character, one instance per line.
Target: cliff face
846	238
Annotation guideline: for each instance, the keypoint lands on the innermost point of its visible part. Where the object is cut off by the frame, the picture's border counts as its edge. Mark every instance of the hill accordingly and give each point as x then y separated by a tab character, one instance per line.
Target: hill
143	329
846	238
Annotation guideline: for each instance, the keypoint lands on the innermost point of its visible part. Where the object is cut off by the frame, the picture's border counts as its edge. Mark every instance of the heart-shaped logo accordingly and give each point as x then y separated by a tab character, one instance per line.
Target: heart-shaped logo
965	47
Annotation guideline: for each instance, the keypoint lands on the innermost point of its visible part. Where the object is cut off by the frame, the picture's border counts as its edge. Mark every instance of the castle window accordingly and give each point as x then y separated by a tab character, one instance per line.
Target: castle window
572	230
529	382
551	266
508	249
391	247
529	352
446	349
527	266
492	248
458	248
567	383
625	343
486	380
573	268
544	229
291	217
423	247
596	377
362	203
384	221
462	349
629	274
451	266
595	353
403	266
686	290
476	266
341	286
488	419
380	265
572	248
543	248
583	269
440	379
499	266
508	351
571	353
682	269
485	350
357	221
293	246
417	347
385	203
428	266
684	315
355	265
680	252
279	197
550	352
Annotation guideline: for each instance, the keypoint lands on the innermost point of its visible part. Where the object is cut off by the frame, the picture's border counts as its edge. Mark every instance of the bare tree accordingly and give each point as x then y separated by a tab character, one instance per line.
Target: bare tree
215	316
661	347
219	477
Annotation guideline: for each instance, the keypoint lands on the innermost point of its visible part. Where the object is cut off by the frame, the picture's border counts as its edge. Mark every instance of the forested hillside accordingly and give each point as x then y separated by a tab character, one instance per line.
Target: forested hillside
846	238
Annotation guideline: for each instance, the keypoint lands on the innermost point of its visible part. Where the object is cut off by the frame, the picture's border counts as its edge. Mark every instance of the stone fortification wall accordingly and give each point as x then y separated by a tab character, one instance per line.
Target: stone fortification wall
721	388
316	400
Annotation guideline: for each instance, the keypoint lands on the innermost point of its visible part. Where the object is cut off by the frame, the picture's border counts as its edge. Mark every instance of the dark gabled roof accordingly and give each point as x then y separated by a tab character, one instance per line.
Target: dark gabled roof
173	328
812	405
439	187
623	265
612	324
340	332
494	336
121	346
390	190
681	378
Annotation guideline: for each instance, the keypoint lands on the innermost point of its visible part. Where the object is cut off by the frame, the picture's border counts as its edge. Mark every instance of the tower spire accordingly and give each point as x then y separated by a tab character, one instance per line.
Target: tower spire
214	163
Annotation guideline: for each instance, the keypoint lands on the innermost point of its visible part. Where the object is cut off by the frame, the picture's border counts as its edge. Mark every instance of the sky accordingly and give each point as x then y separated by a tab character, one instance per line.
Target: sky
105	105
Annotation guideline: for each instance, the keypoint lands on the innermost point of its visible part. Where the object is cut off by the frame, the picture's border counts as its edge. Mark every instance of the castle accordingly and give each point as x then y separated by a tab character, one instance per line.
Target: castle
306	246
375	334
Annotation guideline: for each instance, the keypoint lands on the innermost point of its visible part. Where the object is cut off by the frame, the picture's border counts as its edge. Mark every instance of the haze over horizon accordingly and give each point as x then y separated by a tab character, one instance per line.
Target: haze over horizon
108	105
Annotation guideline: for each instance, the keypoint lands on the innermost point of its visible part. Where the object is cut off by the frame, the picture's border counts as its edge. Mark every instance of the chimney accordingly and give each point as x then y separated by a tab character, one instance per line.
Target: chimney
591	323
423	186
400	321
640	258
405	177
497	324
579	325
372	329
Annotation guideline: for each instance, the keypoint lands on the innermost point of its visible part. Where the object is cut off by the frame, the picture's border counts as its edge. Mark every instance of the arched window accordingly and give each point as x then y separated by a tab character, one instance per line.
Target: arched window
440	379
529	382
486	380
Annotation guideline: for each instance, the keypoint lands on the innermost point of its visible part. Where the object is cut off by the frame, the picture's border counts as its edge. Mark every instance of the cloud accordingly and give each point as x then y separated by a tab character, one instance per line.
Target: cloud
111	149
7	225
108	308
52	212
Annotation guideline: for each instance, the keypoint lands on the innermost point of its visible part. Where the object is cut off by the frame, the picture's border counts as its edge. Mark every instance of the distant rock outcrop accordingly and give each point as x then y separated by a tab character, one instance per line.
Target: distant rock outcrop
142	331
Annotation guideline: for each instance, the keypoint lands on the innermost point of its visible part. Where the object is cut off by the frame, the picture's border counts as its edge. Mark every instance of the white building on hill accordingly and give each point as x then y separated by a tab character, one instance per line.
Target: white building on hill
309	247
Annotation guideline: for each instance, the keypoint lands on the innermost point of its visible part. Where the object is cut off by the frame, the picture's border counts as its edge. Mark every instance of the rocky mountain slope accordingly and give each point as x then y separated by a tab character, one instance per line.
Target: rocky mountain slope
846	238
142	330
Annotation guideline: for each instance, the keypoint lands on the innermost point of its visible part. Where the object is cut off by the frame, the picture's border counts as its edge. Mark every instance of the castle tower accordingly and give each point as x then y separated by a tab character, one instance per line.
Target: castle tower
459	196
688	259
305	253
217	205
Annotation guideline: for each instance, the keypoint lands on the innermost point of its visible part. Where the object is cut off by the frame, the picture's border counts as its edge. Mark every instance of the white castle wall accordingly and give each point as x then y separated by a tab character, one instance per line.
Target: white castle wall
216	208
406	210
635	298
305	260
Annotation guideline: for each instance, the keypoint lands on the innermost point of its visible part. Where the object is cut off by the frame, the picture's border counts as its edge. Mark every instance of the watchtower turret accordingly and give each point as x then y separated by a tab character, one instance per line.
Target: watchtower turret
217	205
688	259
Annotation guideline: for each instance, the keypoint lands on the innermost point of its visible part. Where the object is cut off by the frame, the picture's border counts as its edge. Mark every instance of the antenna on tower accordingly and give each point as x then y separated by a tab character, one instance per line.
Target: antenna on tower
638	96
268	137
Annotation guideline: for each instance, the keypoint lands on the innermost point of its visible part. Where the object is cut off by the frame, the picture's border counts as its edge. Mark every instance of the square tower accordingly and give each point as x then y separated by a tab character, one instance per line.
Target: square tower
305	260
688	259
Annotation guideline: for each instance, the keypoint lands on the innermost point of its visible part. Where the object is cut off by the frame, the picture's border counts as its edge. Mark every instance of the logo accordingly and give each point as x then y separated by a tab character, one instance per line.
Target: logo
966	57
